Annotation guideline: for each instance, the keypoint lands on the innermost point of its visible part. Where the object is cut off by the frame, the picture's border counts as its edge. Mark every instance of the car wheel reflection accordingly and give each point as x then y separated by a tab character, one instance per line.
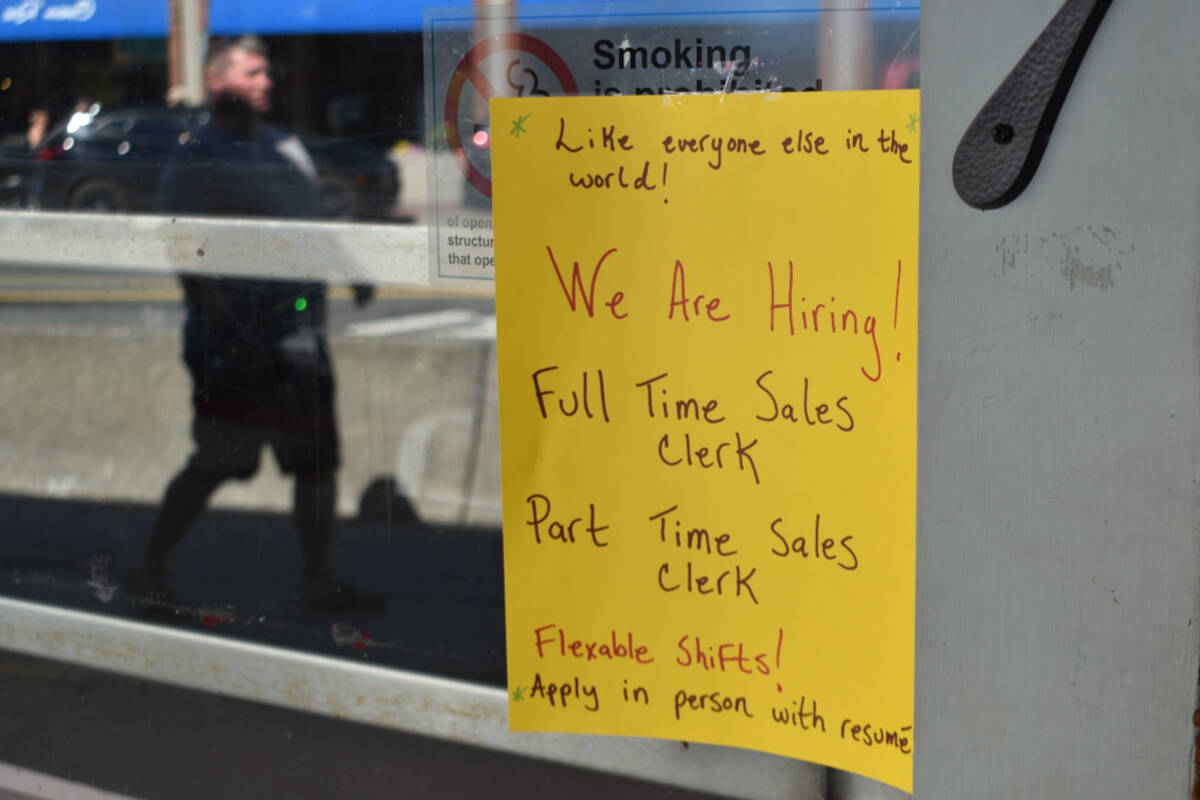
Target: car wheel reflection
98	194
336	197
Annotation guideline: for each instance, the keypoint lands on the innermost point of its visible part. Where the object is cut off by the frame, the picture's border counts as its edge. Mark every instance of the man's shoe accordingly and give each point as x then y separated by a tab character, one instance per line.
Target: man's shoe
151	595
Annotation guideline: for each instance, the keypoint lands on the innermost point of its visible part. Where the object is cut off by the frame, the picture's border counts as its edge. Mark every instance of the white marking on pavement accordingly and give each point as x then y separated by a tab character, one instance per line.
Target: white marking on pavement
413	323
485	328
27	783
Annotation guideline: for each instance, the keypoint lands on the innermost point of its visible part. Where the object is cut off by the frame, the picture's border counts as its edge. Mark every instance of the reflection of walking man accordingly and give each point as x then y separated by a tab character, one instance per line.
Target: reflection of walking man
255	348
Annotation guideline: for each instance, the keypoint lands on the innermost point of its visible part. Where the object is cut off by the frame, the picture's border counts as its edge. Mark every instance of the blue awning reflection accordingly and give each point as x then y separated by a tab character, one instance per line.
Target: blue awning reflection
50	20
57	20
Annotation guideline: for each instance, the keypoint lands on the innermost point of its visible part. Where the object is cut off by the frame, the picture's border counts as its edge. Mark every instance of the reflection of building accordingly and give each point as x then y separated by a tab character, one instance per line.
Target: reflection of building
352	68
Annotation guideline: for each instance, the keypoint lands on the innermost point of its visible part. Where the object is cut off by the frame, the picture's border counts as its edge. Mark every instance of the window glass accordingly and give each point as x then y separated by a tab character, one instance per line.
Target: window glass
251	445
250	440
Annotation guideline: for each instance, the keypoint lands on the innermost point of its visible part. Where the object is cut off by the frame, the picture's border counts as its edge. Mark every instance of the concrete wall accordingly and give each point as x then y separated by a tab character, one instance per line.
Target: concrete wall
104	413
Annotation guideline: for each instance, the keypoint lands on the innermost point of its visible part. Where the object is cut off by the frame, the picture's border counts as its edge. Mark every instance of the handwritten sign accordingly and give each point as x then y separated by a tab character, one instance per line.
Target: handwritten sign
707	312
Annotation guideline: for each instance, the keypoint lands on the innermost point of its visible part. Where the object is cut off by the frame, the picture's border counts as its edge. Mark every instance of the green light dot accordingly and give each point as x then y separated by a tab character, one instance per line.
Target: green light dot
301	304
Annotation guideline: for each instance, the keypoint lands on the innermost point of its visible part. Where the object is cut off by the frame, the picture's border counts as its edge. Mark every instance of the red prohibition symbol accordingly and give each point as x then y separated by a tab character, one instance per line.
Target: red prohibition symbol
469	70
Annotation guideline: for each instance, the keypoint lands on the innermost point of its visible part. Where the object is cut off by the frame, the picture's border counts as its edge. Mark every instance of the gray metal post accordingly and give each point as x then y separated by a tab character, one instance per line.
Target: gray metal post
1058	554
193	40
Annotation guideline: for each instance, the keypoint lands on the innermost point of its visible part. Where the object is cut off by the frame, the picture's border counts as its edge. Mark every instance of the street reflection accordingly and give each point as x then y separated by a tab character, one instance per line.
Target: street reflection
97	411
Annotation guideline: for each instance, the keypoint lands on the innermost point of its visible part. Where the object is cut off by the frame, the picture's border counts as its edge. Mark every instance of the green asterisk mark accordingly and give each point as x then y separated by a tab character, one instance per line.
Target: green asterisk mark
519	125
913	119
519	694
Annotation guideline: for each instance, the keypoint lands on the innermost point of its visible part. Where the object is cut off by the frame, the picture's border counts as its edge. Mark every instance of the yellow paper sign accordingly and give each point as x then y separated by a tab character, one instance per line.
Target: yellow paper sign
707	331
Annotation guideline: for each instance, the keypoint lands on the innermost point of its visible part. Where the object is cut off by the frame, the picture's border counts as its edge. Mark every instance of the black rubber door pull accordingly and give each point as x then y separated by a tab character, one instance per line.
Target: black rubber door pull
1003	146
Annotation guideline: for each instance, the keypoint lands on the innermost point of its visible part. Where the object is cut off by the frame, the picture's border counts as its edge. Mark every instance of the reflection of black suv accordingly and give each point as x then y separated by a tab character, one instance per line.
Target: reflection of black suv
112	162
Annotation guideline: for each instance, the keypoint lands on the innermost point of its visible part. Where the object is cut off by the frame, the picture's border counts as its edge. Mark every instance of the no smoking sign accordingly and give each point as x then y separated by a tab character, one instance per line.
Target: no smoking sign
528	67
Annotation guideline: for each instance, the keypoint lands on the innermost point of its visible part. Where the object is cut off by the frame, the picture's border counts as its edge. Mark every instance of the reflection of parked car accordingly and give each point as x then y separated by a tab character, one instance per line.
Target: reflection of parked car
112	162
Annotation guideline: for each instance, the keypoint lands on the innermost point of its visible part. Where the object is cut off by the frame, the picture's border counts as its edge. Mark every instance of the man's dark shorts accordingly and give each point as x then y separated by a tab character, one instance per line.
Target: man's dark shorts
279	395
